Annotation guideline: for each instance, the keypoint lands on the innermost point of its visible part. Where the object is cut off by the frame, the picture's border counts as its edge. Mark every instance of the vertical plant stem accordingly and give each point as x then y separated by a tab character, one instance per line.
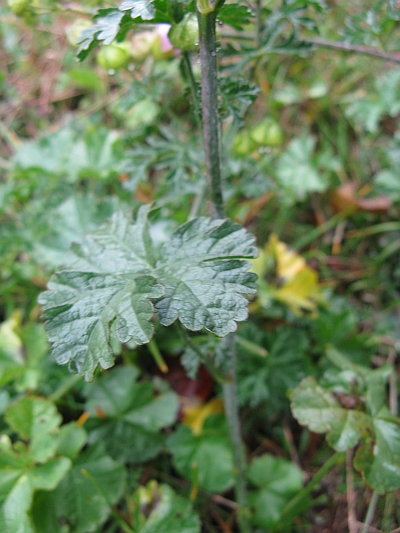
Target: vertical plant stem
370	512
209	100
211	136
232	414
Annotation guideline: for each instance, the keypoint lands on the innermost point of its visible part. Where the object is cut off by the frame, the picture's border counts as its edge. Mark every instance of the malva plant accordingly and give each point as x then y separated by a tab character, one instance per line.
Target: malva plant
122	283
114	279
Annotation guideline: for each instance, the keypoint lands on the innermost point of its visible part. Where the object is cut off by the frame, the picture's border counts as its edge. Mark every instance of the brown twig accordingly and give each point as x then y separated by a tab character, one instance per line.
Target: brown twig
351	498
225	528
290	441
393	57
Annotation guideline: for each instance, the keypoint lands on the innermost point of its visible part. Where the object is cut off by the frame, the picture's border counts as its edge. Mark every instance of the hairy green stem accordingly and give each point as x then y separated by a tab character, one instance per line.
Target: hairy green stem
209	100
206	13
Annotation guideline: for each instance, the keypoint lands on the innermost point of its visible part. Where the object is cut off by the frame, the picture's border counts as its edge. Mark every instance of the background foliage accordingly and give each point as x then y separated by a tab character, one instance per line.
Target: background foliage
104	158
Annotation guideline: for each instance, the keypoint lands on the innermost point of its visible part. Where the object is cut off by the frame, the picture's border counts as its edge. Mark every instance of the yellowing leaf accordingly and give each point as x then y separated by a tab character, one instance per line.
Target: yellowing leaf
293	282
10	342
194	415
288	263
301	292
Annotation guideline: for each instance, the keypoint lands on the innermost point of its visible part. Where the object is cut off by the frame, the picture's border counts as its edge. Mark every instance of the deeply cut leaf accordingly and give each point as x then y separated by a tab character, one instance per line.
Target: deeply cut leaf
203	272
139	8
81	307
199	278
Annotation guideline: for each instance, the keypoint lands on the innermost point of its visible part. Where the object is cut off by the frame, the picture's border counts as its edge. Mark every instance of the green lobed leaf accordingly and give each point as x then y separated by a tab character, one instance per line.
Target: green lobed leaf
127	416
36	420
105	29
143	9
300	172
210	451
199	279
71	440
19	478
379	459
81	307
83	498
111	24
278	480
319	410
203	272
377	434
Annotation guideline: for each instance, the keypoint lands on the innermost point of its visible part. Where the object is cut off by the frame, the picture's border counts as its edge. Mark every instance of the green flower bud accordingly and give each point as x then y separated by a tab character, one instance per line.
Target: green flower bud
115	55
185	35
243	144
267	133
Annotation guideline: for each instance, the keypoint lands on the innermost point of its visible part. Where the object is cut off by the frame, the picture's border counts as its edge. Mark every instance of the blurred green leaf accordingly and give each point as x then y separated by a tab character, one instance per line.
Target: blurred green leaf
378	458
68	152
235	15
24	468
368	111
83	498
71	440
318	409
53	233
266	380
278	480
377	434
20	355
36	420
301	172
210	452
127	415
